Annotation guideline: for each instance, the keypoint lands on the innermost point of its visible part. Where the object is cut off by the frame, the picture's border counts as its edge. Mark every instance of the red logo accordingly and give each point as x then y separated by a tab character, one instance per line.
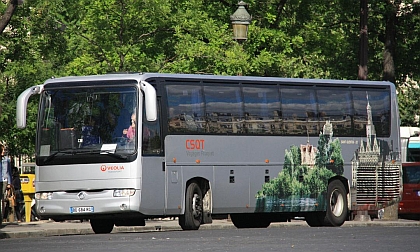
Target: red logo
194	144
114	168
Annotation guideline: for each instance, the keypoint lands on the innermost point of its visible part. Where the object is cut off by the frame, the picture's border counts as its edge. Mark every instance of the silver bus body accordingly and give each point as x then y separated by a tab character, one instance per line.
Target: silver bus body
205	161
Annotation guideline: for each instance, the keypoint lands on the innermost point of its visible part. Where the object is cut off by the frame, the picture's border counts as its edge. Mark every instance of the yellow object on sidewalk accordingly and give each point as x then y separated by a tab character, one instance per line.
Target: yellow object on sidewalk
27	182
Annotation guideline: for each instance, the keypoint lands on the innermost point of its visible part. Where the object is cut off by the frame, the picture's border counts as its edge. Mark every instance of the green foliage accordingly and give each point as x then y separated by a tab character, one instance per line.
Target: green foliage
308	39
408	103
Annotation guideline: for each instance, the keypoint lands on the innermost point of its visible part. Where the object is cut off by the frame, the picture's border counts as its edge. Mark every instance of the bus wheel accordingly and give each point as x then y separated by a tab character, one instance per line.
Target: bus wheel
337	204
250	220
193	215
101	226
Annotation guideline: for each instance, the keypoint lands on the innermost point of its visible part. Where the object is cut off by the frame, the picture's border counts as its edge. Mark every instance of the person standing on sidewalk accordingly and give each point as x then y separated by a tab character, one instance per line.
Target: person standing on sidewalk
18	192
10	203
6	177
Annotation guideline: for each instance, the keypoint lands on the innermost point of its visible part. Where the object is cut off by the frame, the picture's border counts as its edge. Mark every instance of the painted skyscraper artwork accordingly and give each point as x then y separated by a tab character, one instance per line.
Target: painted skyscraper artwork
375	175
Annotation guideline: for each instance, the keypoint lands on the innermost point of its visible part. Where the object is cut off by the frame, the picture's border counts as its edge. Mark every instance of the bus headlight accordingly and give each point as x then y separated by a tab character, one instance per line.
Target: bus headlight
43	196
124	192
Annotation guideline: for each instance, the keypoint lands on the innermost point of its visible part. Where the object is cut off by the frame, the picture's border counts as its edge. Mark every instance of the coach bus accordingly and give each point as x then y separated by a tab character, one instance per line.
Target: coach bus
121	148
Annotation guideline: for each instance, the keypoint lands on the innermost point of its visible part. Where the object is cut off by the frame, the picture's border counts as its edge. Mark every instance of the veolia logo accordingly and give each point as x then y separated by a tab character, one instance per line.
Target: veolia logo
112	168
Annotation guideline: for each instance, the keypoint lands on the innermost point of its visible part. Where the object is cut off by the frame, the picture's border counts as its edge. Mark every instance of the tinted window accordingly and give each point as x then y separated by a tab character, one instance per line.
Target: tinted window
299	110
83	121
185	108
265	110
151	135
335	105
411	175
262	110
379	106
224	109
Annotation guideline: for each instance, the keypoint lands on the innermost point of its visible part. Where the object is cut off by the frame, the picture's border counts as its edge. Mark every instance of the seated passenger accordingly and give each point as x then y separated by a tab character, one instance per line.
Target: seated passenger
130	133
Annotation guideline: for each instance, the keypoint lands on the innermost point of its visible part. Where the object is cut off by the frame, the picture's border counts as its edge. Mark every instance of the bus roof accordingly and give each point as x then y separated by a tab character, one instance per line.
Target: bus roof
145	76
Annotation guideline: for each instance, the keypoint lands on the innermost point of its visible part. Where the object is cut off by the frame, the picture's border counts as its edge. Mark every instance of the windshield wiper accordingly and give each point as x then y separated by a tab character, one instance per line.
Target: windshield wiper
67	152
106	152
79	152
109	153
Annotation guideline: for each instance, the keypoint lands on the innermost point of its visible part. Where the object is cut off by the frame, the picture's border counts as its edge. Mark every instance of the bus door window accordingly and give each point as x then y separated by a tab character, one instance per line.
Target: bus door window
151	135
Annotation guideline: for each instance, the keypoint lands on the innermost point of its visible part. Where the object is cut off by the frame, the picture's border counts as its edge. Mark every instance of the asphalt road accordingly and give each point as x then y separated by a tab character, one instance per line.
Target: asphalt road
295	238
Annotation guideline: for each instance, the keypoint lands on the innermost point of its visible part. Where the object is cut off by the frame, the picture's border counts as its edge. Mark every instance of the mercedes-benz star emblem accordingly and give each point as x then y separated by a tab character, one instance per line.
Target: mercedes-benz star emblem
81	195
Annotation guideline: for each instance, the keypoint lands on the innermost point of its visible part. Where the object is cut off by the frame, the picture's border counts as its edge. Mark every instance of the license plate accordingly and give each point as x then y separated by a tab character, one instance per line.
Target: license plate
87	209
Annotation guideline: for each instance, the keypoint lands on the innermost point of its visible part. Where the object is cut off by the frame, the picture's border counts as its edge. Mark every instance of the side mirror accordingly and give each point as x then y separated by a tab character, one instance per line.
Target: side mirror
150	100
22	104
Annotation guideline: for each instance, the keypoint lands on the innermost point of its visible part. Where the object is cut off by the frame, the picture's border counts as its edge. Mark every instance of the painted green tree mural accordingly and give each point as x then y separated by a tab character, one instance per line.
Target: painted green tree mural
337	162
329	153
301	181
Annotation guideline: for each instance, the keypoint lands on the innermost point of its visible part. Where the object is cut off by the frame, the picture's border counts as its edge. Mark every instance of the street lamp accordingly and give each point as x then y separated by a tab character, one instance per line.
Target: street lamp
240	22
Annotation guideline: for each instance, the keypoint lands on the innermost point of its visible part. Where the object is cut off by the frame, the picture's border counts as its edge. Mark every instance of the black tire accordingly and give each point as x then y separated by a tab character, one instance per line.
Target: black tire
193	215
250	220
337	210
316	219
101	226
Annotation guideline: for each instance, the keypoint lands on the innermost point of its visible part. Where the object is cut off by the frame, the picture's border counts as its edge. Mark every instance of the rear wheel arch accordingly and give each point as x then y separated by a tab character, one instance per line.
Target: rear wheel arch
205	187
197	204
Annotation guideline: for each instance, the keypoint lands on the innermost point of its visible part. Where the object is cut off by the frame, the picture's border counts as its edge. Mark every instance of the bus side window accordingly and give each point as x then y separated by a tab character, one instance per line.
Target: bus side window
224	110
335	105
379	101
300	114
262	110
185	109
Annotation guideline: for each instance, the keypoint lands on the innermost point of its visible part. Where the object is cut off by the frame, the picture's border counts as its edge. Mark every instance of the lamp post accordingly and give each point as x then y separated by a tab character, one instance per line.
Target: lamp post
240	22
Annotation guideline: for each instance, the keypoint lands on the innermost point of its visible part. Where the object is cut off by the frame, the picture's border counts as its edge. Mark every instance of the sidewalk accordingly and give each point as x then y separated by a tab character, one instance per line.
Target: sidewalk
45	228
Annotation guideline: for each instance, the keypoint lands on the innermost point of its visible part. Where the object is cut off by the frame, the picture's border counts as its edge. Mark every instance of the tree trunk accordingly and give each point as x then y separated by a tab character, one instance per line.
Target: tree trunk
363	41
389	47
5	18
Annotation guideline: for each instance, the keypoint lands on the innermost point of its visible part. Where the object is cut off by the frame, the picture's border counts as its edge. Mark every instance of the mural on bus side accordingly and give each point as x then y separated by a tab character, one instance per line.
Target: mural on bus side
302	184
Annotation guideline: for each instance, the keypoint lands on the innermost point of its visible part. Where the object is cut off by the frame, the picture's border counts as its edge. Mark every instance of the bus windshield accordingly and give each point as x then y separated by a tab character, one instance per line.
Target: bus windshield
90	120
